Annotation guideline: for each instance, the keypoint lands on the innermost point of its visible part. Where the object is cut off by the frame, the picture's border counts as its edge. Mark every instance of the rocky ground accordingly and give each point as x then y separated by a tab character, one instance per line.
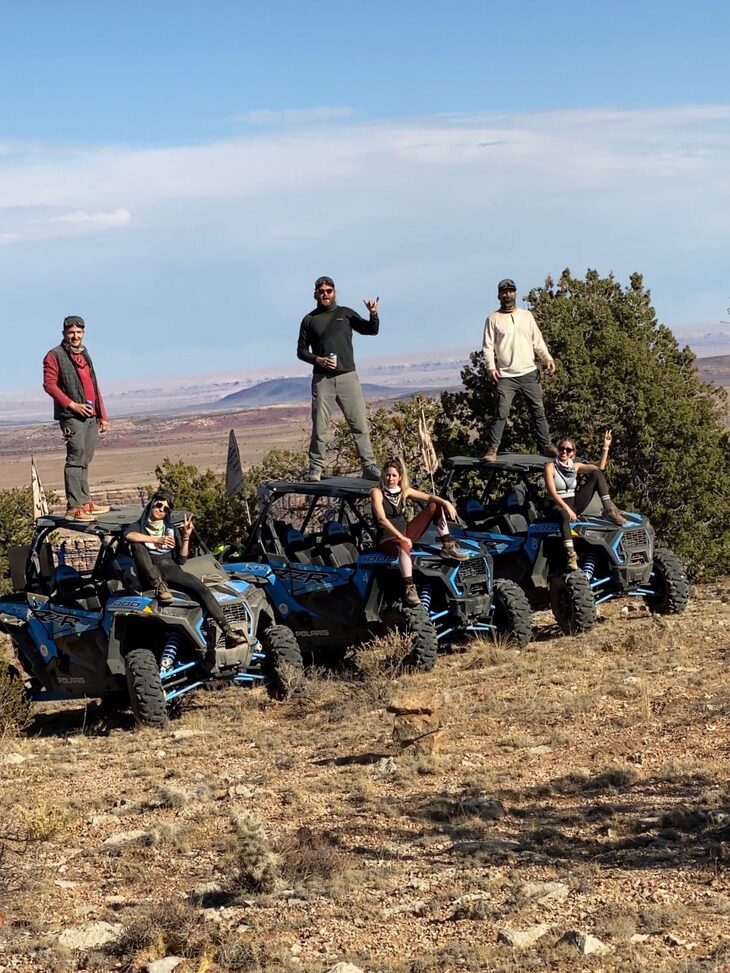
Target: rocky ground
573	813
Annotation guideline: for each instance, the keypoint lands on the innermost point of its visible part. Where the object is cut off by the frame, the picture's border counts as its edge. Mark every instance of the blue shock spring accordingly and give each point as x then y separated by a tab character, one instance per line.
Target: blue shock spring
169	652
425	593
588	566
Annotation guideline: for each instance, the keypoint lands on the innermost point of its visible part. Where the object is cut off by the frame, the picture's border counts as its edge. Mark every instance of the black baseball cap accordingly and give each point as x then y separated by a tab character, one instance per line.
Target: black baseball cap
73	320
323	280
507	284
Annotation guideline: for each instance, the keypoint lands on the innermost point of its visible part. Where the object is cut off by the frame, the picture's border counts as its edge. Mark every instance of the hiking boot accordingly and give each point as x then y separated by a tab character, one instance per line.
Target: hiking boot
234	638
491	454
449	550
549	450
371	472
163	593
611	512
79	515
572	561
96	508
314	476
410	595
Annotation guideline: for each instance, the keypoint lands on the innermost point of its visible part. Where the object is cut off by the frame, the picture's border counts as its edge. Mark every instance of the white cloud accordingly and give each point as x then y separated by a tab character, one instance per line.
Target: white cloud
293	116
430	211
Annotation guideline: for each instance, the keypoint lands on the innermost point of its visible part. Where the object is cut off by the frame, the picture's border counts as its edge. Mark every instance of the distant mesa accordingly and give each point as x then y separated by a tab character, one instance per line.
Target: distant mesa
288	391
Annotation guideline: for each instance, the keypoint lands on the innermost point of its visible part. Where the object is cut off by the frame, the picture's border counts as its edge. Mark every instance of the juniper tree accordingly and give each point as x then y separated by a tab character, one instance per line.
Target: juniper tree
618	366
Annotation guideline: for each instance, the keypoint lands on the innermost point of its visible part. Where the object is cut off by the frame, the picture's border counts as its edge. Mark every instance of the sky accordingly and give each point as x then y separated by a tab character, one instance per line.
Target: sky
179	173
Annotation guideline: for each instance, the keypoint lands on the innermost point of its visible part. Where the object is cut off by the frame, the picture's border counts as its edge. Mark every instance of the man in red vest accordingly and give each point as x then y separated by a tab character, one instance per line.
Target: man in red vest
70	380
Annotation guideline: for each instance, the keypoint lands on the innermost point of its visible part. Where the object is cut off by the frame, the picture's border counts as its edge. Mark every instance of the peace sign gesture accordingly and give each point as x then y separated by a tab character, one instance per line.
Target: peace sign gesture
186	527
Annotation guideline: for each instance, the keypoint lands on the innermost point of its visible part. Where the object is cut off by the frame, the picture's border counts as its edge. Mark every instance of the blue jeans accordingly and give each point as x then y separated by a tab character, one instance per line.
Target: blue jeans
507	389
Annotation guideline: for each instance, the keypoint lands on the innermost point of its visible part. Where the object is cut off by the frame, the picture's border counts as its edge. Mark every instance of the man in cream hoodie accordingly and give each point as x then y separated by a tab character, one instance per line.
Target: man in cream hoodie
512	343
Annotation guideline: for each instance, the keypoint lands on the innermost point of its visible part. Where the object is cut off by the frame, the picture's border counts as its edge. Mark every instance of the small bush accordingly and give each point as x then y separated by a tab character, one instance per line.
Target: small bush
308	856
14	702
256	866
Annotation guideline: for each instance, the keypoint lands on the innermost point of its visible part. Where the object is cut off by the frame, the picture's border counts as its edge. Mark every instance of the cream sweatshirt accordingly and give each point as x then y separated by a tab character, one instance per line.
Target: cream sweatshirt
512	341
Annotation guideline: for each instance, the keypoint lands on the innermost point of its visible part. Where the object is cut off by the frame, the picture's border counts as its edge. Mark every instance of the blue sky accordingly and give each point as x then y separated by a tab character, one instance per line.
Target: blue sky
178	173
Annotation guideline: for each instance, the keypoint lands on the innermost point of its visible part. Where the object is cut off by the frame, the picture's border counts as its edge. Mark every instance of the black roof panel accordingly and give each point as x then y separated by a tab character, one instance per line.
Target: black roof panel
522	462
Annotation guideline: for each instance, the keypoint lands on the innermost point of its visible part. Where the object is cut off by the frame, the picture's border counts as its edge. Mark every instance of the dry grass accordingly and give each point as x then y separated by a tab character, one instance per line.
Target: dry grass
292	835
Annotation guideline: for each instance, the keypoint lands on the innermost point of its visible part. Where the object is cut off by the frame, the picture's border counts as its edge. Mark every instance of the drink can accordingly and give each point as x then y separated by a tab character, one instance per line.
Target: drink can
90	403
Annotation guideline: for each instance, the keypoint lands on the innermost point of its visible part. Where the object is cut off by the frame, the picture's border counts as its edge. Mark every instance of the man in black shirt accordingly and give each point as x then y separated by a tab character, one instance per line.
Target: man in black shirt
325	341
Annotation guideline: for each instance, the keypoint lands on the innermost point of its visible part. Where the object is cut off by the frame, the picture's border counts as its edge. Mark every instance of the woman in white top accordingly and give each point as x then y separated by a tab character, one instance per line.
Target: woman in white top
567	503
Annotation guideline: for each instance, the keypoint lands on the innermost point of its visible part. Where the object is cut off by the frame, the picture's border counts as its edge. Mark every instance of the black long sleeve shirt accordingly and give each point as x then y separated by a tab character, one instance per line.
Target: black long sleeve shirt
338	323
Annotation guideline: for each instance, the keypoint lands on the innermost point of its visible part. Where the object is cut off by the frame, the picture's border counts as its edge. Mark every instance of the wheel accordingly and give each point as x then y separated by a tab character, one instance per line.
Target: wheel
283	666
145	689
572	602
511	612
669	580
417	623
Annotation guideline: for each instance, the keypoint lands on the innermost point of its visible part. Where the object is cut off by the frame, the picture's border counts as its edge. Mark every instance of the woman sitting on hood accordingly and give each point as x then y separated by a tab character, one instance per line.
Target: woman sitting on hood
160	549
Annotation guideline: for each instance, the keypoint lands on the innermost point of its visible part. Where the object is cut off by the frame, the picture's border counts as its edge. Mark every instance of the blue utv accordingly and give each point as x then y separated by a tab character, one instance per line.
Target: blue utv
315	547
97	633
501	504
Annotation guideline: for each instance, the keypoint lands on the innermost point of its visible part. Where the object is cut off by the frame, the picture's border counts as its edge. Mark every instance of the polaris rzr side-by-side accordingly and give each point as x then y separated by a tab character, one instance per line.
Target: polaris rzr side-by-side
98	633
501	504
314	544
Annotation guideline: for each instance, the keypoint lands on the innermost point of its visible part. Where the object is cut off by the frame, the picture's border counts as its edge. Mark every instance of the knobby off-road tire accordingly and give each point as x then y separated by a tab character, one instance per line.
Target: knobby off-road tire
572	602
282	666
146	695
511	615
670	583
417	623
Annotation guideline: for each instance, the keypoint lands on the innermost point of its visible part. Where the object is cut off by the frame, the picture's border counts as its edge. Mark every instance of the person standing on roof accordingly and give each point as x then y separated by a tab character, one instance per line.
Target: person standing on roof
325	341
512	343
69	378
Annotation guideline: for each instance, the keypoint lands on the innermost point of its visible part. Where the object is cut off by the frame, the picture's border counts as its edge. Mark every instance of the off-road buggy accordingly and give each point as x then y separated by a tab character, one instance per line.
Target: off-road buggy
96	633
315	546
501	503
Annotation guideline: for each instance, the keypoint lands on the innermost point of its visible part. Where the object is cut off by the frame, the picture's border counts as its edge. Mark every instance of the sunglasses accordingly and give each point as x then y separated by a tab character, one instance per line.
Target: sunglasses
161	505
325	290
565	449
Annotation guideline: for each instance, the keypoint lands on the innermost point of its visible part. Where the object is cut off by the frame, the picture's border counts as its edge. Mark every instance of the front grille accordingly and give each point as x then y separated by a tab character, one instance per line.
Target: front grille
475	567
634	541
238	613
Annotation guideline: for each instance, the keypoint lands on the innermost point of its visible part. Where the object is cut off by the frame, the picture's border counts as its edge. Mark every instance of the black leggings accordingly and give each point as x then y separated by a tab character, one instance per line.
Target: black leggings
163	568
595	483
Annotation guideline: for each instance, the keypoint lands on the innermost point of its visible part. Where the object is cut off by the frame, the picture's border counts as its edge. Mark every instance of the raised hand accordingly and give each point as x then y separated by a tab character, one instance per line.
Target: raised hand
372	306
186	528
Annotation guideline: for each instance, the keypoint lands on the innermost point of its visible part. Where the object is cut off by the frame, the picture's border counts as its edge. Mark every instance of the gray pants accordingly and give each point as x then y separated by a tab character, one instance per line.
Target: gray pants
80	436
507	388
346	392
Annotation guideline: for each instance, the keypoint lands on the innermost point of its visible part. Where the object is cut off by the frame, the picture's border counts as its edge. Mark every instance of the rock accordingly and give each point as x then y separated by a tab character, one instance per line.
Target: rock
344	968
586	944
385	767
430	743
12	759
417	908
241	790
64	883
90	936
676	941
521	938
296	948
185	734
116	841
539	751
545	891
99	820
423	703
640	937
166	965
408	728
